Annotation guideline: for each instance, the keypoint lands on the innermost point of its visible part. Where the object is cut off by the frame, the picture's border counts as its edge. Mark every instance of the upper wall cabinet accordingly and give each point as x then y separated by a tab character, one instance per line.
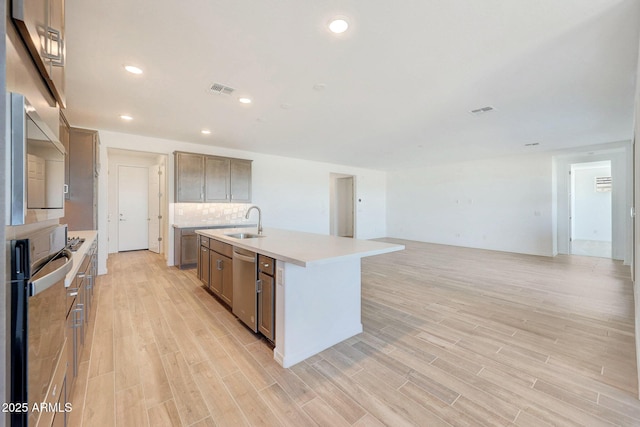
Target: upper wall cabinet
41	26
240	181
211	179
189	178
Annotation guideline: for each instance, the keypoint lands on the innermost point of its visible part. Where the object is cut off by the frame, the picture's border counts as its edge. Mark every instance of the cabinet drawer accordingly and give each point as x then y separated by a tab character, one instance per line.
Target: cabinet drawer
204	241
221	248
266	264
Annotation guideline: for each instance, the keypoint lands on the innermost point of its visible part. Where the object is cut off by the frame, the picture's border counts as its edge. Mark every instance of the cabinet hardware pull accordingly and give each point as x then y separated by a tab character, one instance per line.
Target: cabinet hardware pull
259	286
54	36
219	264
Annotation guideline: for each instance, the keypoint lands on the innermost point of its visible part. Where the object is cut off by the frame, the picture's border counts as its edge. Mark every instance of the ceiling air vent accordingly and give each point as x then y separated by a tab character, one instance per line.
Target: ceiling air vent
482	110
221	89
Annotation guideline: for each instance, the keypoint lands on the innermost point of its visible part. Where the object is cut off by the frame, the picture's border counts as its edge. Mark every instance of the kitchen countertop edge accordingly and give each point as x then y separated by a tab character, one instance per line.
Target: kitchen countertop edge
212	226
89	236
261	245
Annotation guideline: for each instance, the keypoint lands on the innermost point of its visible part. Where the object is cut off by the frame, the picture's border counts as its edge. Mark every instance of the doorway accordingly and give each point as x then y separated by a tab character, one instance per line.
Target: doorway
156	190
133	209
150	202
342	217
591	209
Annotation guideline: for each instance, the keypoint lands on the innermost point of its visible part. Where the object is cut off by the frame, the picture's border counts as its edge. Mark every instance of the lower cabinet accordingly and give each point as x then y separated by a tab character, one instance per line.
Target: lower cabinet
221	276
266	297
79	299
203	261
186	248
220	268
215	271
215	268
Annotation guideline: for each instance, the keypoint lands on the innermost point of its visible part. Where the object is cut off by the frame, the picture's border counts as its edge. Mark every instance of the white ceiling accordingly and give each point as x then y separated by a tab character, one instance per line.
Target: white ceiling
399	83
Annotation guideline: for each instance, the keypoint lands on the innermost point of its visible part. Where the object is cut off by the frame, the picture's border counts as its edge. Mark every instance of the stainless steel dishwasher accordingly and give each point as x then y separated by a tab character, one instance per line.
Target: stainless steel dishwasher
245	297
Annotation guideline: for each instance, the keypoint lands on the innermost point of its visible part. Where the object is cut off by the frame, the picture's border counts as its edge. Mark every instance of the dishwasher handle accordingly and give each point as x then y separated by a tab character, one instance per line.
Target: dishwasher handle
244	257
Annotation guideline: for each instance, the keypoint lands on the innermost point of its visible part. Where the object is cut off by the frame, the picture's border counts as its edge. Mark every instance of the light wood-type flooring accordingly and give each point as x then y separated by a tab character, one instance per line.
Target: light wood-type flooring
452	336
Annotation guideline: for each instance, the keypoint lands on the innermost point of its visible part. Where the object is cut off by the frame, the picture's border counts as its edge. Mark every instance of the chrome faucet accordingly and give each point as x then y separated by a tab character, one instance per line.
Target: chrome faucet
259	217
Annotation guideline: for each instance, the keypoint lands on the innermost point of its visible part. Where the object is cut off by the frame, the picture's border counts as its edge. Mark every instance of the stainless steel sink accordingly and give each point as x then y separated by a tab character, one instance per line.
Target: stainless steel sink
244	235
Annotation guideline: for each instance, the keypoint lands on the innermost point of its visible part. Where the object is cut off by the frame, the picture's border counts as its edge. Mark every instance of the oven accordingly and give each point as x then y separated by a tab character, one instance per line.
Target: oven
36	167
39	265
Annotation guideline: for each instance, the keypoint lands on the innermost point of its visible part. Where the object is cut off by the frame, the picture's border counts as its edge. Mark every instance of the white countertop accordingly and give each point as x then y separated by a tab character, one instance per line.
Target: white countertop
300	248
89	237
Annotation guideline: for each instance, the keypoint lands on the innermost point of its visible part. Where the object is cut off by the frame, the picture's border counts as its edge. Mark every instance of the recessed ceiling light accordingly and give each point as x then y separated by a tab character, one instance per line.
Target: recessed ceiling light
338	25
133	69
205	132
125	117
245	100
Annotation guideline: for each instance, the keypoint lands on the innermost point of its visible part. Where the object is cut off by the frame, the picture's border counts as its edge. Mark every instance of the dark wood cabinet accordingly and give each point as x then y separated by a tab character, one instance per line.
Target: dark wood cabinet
65	131
216	179
81	204
186	248
41	24
266	297
240	177
189	177
221	270
203	266
211	179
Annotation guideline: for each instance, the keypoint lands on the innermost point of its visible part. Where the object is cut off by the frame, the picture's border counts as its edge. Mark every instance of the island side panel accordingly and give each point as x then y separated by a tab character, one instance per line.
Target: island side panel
316	307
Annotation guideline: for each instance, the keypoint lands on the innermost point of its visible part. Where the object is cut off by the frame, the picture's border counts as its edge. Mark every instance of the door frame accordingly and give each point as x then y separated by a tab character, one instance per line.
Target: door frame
144	201
621	196
117	157
573	167
334	203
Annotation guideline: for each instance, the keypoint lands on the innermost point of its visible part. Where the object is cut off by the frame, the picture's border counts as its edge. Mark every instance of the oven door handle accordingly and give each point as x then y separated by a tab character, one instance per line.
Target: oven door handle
52	278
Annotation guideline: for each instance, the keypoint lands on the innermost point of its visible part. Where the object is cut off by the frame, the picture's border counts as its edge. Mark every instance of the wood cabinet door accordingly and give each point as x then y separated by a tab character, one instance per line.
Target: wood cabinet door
227	280
215	275
240	180
188	249
189	177
204	266
81	207
41	26
266	307
64	139
216	179
56	50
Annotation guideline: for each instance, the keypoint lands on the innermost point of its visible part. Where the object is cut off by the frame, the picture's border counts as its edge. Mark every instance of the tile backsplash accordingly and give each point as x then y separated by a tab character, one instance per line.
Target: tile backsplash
187	214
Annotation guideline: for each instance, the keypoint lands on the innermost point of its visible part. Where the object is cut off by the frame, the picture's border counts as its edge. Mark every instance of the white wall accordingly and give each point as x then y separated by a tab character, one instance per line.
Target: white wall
292	193
516	204
501	204
504	204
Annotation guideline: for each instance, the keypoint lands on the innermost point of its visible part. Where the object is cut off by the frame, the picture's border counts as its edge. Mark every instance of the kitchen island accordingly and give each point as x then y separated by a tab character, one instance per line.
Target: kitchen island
318	298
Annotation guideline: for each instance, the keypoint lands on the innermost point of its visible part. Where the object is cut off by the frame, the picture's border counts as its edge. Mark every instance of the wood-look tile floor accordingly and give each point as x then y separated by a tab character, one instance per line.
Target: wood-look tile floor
453	336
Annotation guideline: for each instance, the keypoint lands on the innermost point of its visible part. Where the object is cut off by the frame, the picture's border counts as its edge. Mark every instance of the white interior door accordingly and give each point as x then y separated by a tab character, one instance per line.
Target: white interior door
133	212
154	208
